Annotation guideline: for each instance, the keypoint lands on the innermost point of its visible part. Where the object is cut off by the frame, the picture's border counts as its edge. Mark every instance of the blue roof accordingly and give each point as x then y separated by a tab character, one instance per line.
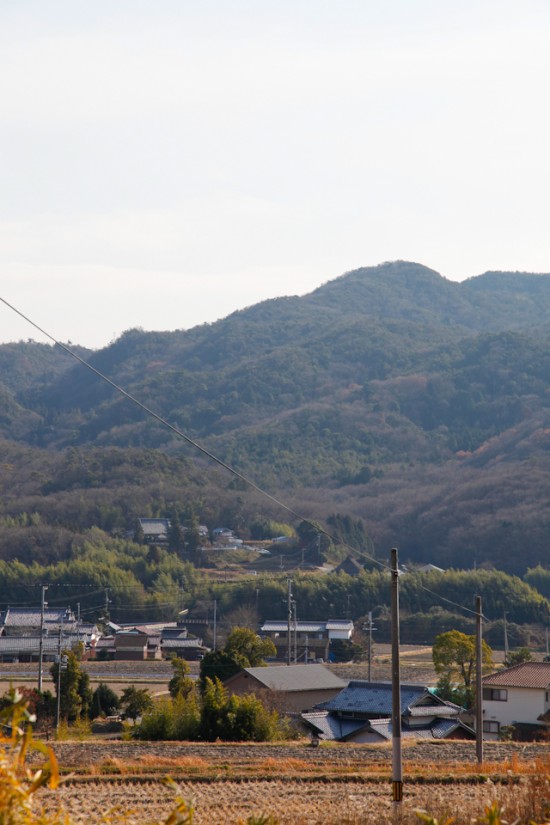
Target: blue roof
375	698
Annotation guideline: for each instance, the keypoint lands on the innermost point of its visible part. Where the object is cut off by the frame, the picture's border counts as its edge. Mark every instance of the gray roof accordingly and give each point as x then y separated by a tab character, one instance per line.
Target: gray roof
330	727
31	616
295	677
12	645
155	526
375	698
182	643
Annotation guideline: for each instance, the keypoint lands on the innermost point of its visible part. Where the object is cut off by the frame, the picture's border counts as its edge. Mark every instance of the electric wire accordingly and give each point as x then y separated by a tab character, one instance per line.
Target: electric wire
211	456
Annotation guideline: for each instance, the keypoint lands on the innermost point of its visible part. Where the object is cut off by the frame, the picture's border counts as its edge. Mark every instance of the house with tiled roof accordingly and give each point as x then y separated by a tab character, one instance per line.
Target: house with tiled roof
362	712
296	687
517	696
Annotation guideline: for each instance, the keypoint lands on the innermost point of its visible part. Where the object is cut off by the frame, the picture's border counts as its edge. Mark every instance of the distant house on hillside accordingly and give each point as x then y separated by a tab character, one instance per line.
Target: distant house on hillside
155	530
362	713
296	687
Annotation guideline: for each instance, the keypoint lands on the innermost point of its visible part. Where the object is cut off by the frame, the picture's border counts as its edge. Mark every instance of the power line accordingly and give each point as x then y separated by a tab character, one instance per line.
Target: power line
180	434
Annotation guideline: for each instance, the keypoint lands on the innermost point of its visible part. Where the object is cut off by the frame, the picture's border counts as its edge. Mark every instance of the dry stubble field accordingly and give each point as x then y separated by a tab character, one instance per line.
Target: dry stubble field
296	784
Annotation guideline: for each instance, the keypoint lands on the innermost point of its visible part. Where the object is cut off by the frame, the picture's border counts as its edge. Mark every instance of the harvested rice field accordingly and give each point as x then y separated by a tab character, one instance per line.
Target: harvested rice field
294	785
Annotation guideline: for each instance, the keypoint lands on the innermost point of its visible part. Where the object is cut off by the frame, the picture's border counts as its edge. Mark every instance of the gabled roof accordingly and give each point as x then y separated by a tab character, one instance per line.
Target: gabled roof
155	526
290	678
329	726
31	616
332	727
525	675
375	698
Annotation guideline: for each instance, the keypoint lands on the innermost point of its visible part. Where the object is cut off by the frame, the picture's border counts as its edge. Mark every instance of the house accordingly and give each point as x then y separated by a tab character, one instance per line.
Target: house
295	687
27	648
176	641
155	530
362	712
309	640
518	696
27	621
131	645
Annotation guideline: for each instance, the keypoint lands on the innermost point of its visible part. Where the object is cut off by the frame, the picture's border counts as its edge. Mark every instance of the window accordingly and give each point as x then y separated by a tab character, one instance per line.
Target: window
491	727
495	694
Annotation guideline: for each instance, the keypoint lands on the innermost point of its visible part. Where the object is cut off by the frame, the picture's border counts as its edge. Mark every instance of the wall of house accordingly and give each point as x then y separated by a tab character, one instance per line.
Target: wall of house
522	705
285	701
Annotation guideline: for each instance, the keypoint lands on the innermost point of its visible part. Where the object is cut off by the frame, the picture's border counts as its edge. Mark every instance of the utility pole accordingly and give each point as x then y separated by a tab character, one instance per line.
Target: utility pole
306	659
58	706
289	629
41	640
370	645
479	683
506	649
397	764
214	639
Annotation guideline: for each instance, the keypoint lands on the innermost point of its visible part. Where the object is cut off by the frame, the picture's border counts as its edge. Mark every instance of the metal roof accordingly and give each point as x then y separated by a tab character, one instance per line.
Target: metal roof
290	678
525	675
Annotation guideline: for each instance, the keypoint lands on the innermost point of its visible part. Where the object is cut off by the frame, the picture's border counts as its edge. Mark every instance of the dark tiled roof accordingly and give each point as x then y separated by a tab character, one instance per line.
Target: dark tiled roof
375	698
525	675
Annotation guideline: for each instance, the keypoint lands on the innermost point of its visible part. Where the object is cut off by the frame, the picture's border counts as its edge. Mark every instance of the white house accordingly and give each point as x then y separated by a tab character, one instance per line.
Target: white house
518	696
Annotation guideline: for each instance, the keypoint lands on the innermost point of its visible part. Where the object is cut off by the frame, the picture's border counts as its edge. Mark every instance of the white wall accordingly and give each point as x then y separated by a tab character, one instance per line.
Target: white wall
522	705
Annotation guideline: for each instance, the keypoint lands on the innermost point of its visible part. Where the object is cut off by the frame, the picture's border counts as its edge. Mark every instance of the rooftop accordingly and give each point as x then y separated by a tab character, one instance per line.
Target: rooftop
375	698
525	675
294	677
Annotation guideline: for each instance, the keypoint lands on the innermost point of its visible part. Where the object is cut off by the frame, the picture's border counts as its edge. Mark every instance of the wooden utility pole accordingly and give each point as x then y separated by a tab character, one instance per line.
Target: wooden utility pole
41	640
479	682
289	629
370	645
397	766
214	638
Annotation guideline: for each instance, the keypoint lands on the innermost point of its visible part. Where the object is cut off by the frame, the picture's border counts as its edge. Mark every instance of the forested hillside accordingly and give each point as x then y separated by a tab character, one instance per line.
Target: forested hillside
391	394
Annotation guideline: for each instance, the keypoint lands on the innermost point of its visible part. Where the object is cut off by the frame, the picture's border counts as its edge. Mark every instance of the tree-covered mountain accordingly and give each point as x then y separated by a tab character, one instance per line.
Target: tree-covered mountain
417	404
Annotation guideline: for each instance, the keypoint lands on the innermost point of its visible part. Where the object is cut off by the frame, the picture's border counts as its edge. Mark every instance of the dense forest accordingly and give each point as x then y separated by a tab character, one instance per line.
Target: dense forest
390	395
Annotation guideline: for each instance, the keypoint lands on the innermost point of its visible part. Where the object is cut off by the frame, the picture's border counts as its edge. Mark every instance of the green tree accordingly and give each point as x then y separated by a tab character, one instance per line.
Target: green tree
454	658
180	684
75	694
517	657
175	535
104	701
135	701
242	649
244	642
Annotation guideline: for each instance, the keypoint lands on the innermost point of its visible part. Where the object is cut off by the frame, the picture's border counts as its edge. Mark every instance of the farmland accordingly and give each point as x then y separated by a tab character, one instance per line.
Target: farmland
296	783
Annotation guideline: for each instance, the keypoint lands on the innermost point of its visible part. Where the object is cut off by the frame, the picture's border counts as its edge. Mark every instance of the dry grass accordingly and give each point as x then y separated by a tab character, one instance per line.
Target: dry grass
292	802
297	792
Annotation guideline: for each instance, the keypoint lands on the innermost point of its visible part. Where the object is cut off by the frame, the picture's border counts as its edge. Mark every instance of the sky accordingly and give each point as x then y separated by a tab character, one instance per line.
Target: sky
166	162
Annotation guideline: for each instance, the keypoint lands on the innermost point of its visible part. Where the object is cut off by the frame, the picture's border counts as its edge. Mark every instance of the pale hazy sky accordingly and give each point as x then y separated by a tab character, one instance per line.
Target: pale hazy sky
165	162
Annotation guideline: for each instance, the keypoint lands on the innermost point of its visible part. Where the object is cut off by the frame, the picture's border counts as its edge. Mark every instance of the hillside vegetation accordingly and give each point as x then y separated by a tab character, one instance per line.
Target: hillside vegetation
390	394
